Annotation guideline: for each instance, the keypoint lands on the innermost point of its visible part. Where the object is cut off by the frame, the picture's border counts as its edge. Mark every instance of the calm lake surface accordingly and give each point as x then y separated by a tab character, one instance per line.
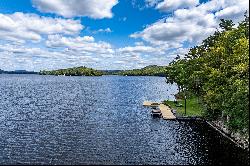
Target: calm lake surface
100	120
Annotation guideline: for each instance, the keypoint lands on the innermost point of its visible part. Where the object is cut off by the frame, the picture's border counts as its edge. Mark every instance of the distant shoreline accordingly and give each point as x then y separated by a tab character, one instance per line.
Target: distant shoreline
80	75
151	70
13	72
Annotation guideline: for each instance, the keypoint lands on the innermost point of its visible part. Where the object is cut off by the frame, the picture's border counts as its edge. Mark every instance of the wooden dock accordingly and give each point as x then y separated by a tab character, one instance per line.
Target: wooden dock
150	104
165	110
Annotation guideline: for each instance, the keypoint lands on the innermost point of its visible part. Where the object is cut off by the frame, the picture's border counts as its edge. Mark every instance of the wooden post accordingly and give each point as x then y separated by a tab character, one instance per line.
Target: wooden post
185	105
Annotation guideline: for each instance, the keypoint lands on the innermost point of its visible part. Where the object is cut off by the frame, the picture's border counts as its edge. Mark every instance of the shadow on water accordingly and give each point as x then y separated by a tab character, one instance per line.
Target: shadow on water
100	120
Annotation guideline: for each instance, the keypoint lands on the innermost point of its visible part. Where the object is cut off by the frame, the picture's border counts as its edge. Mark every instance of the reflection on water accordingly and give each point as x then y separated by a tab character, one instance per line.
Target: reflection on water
100	120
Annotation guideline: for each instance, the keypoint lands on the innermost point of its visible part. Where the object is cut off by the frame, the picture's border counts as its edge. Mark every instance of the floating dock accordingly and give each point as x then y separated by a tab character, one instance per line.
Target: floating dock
165	110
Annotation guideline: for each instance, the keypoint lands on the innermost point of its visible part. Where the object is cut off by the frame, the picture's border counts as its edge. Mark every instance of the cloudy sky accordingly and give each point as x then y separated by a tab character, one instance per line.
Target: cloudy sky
106	34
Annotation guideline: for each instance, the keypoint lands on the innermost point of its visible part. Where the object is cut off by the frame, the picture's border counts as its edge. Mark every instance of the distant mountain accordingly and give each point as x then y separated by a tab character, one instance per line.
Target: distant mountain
110	72
152	70
17	72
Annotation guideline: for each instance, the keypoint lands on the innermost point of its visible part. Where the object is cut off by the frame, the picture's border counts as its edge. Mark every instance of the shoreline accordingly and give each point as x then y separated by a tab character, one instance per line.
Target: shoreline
236	138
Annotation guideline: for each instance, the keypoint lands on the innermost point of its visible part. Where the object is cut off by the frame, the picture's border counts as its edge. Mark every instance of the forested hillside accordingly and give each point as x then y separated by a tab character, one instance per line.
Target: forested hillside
218	72
152	70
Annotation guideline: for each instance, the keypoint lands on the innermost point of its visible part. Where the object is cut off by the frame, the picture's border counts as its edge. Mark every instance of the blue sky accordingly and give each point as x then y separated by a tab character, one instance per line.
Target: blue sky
106	34
122	24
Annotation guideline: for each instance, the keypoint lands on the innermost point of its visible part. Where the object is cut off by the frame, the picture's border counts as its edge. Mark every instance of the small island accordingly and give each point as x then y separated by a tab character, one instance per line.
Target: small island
75	71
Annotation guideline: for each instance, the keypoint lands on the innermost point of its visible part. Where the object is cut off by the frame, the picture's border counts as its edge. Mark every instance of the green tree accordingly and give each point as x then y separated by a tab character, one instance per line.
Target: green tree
217	71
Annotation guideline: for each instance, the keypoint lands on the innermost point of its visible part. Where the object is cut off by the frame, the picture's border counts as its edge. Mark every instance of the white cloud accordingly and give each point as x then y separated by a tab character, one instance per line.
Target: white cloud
141	55
87	38
33	58
107	30
139	43
234	12
170	5
152	3
70	8
179	29
64	52
84	44
141	49
21	27
194	24
101	30
61	46
122	19
21	57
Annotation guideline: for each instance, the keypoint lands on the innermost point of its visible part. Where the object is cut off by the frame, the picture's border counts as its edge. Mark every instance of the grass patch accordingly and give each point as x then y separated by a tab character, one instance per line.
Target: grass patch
194	108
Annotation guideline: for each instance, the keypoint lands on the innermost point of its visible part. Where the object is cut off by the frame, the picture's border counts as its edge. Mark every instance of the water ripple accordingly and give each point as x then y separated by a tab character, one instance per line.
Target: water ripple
99	120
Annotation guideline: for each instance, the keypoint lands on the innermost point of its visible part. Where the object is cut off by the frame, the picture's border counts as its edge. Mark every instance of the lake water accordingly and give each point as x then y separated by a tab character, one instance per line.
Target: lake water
100	120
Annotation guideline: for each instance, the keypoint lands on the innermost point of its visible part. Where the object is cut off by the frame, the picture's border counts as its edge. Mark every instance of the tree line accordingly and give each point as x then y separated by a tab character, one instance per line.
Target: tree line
152	70
75	71
217	71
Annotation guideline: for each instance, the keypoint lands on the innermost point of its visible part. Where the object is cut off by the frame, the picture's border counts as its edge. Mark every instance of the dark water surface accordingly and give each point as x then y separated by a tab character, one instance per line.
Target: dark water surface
100	120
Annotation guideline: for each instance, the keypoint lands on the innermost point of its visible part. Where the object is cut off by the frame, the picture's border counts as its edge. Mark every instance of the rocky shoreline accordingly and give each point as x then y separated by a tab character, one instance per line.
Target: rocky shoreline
239	139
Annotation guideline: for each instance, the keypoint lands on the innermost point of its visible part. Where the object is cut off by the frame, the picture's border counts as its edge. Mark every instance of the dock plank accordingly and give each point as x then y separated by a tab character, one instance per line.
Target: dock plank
147	103
166	112
150	103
